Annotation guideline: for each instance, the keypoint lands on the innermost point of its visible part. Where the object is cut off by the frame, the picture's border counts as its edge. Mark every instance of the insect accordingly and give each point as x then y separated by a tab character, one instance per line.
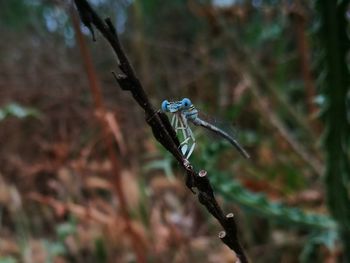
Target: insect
184	112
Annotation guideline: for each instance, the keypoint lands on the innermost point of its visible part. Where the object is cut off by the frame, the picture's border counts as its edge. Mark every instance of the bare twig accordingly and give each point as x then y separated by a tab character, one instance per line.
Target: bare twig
162	130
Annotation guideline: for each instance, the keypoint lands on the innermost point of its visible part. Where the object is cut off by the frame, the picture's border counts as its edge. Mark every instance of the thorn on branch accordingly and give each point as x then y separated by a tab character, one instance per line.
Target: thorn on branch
222	234
203	184
202	173
122	80
230	223
111	26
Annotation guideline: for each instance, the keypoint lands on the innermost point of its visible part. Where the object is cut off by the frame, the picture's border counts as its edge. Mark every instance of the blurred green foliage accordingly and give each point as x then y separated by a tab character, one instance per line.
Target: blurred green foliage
18	111
7	260
336	87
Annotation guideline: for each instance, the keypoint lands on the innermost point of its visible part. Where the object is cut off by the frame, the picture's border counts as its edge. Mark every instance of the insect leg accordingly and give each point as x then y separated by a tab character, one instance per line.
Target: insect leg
175	122
193	142
184	128
190	137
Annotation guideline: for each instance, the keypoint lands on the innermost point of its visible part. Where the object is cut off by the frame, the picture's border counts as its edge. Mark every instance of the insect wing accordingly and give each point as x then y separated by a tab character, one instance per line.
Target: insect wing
222	132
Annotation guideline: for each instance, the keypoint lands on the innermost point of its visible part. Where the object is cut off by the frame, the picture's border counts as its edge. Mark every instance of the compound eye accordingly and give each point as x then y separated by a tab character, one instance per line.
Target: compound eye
165	105
186	102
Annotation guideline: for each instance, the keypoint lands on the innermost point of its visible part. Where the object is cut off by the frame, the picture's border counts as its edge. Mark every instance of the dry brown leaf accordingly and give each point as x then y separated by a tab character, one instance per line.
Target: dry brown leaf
160	183
72	244
37	252
239	91
68	180
8	247
59	259
266	155
200	243
140	231
16	200
95	182
115	128
131	189
150	146
160	232
83	213
5	195
9	196
114	231
307	196
224	255
99	166
59	151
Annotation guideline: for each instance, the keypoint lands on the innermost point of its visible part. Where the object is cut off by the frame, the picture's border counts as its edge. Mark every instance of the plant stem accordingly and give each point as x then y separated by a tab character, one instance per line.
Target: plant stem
334	33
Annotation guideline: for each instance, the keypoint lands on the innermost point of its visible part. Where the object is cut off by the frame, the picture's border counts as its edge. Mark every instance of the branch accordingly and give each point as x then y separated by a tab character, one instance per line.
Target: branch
161	127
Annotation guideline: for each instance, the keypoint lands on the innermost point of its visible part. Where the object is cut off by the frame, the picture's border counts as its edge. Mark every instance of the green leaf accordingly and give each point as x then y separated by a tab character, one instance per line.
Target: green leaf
18	111
163	164
316	239
8	260
55	248
66	229
259	204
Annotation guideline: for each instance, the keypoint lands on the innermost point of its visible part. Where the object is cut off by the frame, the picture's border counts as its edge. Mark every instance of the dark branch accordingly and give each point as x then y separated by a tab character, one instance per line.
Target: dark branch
161	127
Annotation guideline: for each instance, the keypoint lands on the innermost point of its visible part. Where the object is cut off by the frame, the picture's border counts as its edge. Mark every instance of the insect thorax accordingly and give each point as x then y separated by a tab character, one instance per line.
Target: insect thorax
191	113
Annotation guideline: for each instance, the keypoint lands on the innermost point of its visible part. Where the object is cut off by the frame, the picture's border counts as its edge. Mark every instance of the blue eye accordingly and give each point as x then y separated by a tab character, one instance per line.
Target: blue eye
186	102
165	104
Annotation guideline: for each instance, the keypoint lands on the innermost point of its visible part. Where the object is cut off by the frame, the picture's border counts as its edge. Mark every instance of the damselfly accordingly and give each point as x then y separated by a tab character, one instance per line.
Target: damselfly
184	112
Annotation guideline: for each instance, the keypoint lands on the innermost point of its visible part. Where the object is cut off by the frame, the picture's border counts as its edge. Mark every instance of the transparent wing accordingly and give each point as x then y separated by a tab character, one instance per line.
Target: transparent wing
223	125
221	132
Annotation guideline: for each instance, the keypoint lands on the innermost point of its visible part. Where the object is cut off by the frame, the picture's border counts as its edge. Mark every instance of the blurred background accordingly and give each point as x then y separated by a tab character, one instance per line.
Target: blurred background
83	180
